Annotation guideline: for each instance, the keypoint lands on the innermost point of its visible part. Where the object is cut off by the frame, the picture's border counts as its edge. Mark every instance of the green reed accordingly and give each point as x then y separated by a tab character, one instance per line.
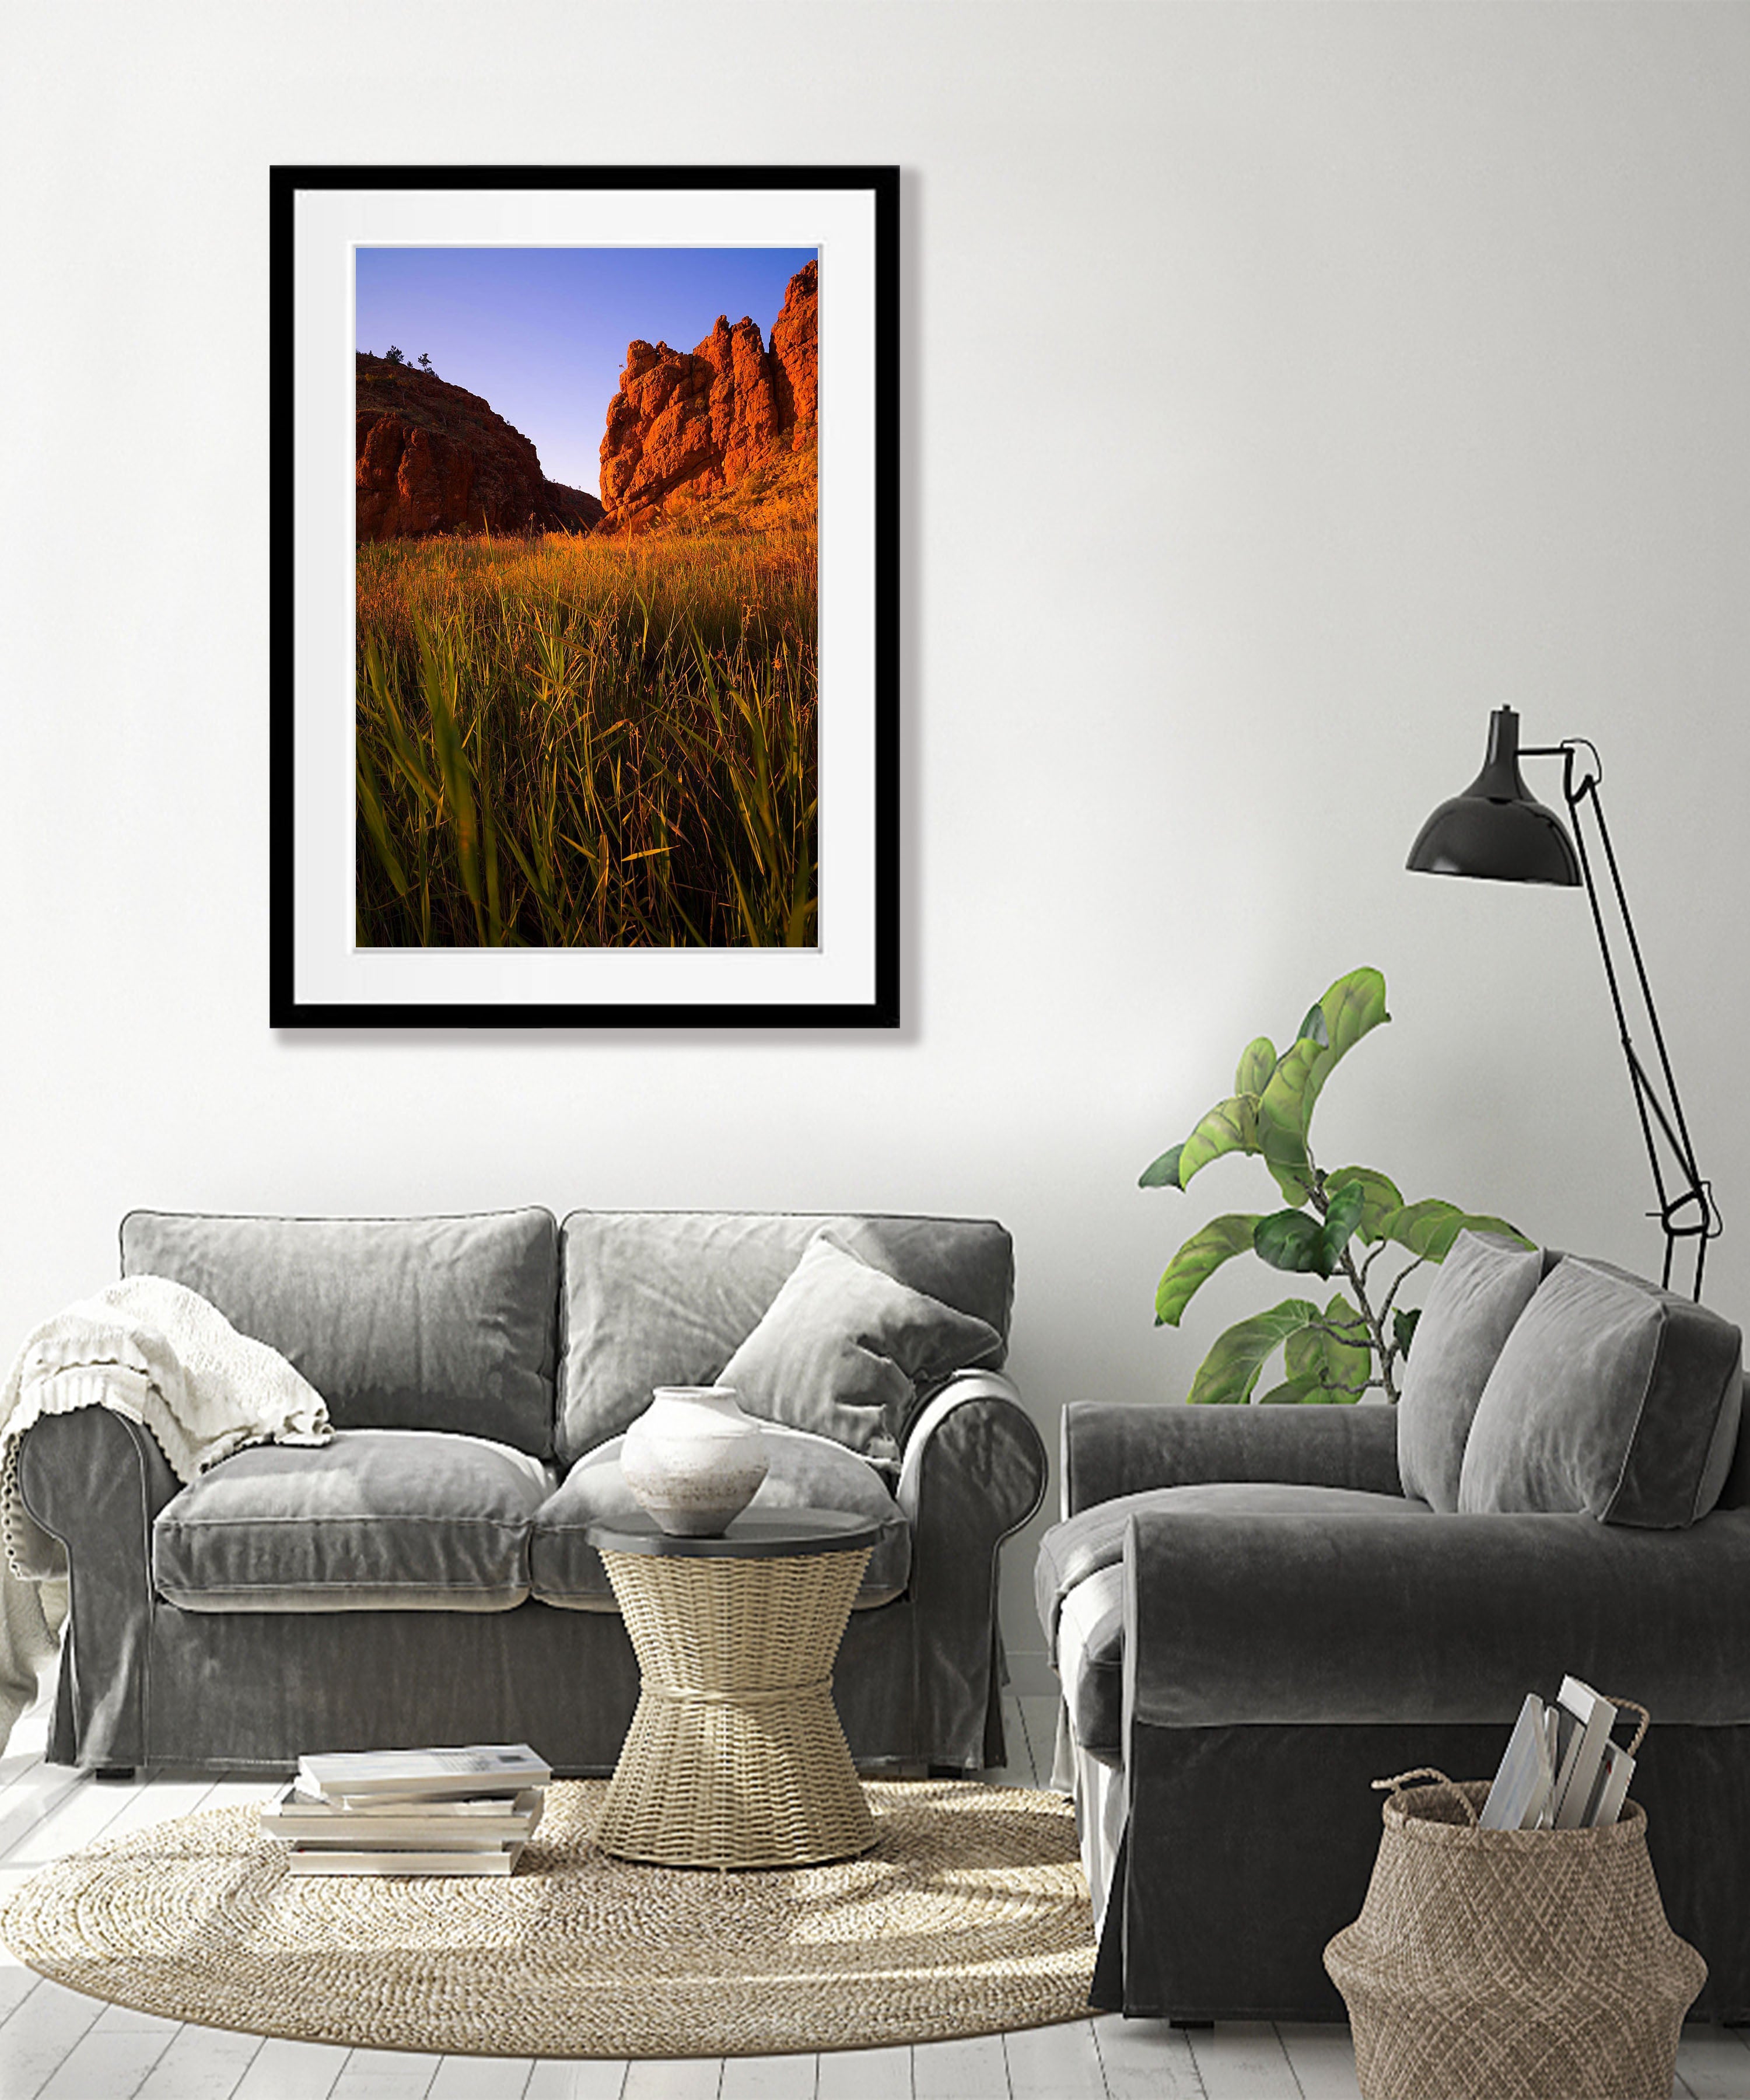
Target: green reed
584	743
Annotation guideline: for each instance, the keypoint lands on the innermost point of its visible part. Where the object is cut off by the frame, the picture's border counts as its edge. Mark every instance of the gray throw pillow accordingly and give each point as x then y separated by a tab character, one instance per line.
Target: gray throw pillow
1484	1284
843	1348
1611	1397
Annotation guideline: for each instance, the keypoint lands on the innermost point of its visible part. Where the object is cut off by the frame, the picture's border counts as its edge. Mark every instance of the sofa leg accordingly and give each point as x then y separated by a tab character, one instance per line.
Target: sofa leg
113	1771
948	1771
1192	2026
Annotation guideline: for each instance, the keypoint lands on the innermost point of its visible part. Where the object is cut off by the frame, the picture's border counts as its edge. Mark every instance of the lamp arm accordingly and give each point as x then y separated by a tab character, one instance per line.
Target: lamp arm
1691	1213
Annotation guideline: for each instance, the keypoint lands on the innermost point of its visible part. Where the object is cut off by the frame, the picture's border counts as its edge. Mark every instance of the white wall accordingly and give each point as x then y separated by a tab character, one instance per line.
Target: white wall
1286	387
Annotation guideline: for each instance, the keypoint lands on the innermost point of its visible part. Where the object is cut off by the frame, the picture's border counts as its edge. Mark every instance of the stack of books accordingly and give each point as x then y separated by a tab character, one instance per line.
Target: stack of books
445	1812
1561	1771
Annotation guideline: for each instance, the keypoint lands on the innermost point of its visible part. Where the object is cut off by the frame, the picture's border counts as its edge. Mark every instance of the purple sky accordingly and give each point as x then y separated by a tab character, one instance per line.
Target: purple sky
542	332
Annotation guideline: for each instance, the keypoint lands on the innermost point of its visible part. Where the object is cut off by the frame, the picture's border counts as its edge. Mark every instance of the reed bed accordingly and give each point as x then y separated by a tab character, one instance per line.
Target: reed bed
587	743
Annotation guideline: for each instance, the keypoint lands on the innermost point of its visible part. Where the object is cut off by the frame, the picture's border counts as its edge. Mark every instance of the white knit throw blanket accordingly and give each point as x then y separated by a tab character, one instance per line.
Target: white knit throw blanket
165	1357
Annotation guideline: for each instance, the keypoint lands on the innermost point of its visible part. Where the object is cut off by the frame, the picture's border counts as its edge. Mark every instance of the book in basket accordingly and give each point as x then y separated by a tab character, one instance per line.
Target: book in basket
475	1769
1561	1770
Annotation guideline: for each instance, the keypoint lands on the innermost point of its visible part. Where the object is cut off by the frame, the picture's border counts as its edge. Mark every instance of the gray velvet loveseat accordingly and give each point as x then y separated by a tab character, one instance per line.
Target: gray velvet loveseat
424	1578
1255	1612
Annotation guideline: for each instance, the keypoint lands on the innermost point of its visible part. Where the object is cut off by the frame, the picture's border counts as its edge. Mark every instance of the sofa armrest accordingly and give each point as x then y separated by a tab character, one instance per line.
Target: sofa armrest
1354	1619
974	1470
96	1479
1112	1449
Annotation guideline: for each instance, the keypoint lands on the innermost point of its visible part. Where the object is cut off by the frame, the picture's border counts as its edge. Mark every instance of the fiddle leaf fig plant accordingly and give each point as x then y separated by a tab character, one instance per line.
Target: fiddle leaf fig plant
1333	1225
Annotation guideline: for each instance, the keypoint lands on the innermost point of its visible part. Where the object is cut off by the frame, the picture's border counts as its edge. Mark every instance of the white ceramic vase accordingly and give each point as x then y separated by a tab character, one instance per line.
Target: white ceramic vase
693	1460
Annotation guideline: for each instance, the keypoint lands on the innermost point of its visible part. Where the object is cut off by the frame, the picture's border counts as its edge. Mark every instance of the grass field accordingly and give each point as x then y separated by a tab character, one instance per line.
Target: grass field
587	742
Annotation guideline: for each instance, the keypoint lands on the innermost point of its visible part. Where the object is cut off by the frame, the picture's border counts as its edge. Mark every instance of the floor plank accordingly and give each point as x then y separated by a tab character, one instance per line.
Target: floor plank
1322	2059
975	2069
597	2079
201	2063
40	1793
16	1985
385	2074
1242	2060
76	1810
110	2061
170	1794
769	2078
1060	2062
1145	2059
1713	2063
41	2035
293	2071
676	2078
482	2078
864	2074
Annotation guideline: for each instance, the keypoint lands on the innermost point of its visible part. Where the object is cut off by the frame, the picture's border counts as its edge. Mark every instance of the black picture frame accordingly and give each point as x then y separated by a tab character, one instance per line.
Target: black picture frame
316	978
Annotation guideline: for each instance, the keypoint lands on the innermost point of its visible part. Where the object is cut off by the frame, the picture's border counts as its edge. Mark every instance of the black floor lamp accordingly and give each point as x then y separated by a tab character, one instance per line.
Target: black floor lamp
1497	830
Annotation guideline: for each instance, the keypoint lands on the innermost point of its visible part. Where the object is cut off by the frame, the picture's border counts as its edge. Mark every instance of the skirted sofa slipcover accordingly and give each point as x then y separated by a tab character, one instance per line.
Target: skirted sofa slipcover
1256	1611
424	1577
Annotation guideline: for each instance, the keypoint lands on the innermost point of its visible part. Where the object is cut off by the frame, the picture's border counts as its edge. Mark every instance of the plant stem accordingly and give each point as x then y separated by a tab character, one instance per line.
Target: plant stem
1382	1349
1385	1310
1385	1352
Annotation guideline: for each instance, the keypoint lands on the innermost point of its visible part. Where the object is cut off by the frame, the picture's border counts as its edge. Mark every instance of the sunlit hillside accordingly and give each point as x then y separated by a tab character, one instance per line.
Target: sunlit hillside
602	741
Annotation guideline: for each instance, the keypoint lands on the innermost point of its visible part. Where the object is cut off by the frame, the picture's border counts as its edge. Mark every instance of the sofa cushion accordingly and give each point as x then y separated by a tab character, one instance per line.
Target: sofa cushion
402	1520
806	1472
654	1297
1612	1397
1082	1546
844	1351
1480	1290
398	1323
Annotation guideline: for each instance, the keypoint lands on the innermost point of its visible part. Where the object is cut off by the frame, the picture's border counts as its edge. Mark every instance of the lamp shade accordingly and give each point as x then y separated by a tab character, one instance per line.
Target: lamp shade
1497	829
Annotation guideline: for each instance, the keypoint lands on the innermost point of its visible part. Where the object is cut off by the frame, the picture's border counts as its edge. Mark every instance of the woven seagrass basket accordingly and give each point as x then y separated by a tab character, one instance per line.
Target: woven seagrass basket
1517	1964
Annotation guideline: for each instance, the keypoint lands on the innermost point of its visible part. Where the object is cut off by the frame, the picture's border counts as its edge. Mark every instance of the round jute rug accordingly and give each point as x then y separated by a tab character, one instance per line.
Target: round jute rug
970	1915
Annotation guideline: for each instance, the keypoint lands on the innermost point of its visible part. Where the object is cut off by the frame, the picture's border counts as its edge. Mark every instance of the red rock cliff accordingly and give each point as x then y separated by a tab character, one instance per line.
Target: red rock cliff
690	424
434	458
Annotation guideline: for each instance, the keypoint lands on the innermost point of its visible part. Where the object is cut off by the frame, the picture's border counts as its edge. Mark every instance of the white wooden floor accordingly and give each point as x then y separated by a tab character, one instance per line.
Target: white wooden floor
56	2044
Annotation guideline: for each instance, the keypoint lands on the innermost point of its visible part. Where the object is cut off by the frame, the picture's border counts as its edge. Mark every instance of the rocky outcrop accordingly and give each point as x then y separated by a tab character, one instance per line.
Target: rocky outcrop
435	458
795	353
688	425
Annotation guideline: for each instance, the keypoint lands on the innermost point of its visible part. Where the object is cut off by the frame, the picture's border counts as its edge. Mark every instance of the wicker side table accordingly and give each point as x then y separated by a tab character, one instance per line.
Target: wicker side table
735	1757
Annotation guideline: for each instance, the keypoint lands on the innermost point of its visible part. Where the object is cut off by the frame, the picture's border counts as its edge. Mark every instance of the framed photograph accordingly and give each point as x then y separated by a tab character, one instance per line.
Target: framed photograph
585	623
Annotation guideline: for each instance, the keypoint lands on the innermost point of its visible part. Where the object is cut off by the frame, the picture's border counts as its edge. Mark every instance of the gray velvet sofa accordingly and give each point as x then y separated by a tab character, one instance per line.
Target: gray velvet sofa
424	1578
1255	1612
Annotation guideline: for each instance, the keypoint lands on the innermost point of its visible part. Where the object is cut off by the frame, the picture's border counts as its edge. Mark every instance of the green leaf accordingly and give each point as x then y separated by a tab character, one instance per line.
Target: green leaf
1281	1124
371	810
1429	1227
1354	1007
1228	1374
1231	1126
1336	1355
1258	1061
1162	1173
1340	1218
1380	1198
1301	1243
1292	1392
1197	1260
1291	1240
1403	1329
